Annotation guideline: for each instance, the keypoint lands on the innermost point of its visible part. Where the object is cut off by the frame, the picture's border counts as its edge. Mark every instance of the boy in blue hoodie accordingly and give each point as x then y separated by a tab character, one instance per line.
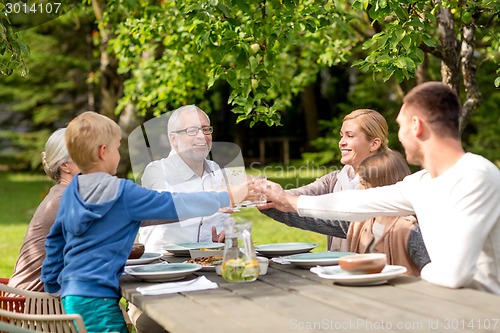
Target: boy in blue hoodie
98	219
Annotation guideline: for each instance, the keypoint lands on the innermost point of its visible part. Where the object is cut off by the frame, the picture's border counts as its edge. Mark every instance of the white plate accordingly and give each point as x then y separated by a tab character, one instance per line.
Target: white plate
183	249
284	249
146	258
340	276
162	272
308	260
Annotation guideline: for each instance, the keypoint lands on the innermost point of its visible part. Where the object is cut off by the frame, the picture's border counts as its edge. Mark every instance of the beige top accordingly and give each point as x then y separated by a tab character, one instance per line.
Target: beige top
29	263
393	241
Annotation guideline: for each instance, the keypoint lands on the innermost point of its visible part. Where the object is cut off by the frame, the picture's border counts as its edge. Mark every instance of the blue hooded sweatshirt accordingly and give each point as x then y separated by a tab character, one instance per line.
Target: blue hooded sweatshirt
96	225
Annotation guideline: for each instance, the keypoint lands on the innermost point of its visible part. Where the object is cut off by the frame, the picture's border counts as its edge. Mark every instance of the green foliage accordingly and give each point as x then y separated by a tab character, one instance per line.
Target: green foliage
13	49
370	93
257	56
174	51
409	29
395	51
29	147
51	93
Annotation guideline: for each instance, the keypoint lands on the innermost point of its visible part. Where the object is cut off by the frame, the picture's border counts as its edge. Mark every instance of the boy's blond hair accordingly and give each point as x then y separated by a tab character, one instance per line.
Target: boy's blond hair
85	134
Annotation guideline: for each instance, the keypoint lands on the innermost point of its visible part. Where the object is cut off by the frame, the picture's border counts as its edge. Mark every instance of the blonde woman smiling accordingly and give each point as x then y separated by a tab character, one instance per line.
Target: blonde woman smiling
364	132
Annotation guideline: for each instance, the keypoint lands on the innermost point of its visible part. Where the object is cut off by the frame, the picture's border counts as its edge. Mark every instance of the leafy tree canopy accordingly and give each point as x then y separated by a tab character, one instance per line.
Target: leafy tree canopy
267	51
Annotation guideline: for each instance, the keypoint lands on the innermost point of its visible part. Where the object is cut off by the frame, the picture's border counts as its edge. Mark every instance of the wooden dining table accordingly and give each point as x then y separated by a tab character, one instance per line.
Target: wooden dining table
293	299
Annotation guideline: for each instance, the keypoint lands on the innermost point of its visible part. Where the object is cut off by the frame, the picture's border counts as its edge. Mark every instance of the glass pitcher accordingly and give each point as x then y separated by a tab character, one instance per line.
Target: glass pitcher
239	263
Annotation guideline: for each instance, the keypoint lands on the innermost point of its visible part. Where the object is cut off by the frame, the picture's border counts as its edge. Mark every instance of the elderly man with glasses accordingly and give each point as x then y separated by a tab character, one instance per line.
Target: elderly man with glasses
186	169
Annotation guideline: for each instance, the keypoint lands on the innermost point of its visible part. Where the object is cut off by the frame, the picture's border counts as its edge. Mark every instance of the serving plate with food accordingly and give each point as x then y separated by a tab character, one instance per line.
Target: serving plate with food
207	263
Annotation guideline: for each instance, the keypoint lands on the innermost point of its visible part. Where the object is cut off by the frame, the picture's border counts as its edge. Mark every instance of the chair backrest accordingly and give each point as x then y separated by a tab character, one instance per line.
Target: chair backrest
59	323
8	328
34	302
8	302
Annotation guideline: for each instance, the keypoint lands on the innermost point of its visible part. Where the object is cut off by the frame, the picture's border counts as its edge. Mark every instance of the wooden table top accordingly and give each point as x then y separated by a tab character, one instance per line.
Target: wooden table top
291	299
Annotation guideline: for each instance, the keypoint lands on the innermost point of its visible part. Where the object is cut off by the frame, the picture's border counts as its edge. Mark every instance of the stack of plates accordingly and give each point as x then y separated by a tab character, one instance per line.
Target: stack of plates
162	272
147	257
308	260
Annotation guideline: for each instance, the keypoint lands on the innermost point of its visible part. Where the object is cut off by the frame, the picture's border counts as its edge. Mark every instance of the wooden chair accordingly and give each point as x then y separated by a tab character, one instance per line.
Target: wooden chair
34	302
32	311
11	303
54	323
8	328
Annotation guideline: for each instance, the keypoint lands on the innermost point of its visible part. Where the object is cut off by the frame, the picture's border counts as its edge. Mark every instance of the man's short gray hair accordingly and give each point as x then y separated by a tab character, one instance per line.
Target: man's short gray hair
173	120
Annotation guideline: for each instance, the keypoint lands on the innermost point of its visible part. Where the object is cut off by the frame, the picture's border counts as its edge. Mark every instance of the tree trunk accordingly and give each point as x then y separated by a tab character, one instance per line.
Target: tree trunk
308	100
473	95
458	59
110	83
450	52
128	122
422	73
111	90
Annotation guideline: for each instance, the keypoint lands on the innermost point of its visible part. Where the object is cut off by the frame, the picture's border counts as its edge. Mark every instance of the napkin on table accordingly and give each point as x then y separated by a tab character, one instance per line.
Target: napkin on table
200	283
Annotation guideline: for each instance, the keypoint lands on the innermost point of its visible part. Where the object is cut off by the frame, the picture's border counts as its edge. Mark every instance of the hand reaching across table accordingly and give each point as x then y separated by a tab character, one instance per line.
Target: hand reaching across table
278	198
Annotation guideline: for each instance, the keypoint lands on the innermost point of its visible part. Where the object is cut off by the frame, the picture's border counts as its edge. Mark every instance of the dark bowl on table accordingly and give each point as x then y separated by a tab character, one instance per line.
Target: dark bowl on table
137	251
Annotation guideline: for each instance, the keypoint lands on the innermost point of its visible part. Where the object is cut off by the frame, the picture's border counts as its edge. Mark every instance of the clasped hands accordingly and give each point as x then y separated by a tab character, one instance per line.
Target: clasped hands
276	197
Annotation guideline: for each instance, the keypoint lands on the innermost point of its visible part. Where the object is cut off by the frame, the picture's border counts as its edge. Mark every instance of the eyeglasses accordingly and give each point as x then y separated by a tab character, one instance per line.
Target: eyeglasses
192	131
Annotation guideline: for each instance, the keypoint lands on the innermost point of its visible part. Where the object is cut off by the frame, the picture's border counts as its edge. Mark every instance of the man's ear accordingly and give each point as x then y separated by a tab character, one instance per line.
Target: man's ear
173	140
417	126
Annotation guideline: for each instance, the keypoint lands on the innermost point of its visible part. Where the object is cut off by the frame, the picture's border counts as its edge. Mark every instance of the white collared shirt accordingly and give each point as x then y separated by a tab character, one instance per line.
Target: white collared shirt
174	175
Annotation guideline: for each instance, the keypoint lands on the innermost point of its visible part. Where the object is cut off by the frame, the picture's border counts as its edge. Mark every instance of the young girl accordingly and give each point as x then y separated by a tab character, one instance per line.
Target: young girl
364	132
398	237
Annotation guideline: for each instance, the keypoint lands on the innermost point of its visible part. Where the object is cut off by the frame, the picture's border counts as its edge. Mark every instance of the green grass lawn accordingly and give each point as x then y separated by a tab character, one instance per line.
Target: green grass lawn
21	193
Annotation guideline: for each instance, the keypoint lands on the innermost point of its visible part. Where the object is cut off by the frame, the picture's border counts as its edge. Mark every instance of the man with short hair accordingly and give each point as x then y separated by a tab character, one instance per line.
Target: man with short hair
455	197
186	169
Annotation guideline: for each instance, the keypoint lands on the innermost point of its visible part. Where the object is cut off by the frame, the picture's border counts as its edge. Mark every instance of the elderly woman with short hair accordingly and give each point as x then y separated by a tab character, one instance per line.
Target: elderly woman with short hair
59	167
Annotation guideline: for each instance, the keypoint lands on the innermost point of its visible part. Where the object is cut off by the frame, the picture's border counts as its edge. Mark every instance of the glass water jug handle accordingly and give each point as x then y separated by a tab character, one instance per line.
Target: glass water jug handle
247	242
